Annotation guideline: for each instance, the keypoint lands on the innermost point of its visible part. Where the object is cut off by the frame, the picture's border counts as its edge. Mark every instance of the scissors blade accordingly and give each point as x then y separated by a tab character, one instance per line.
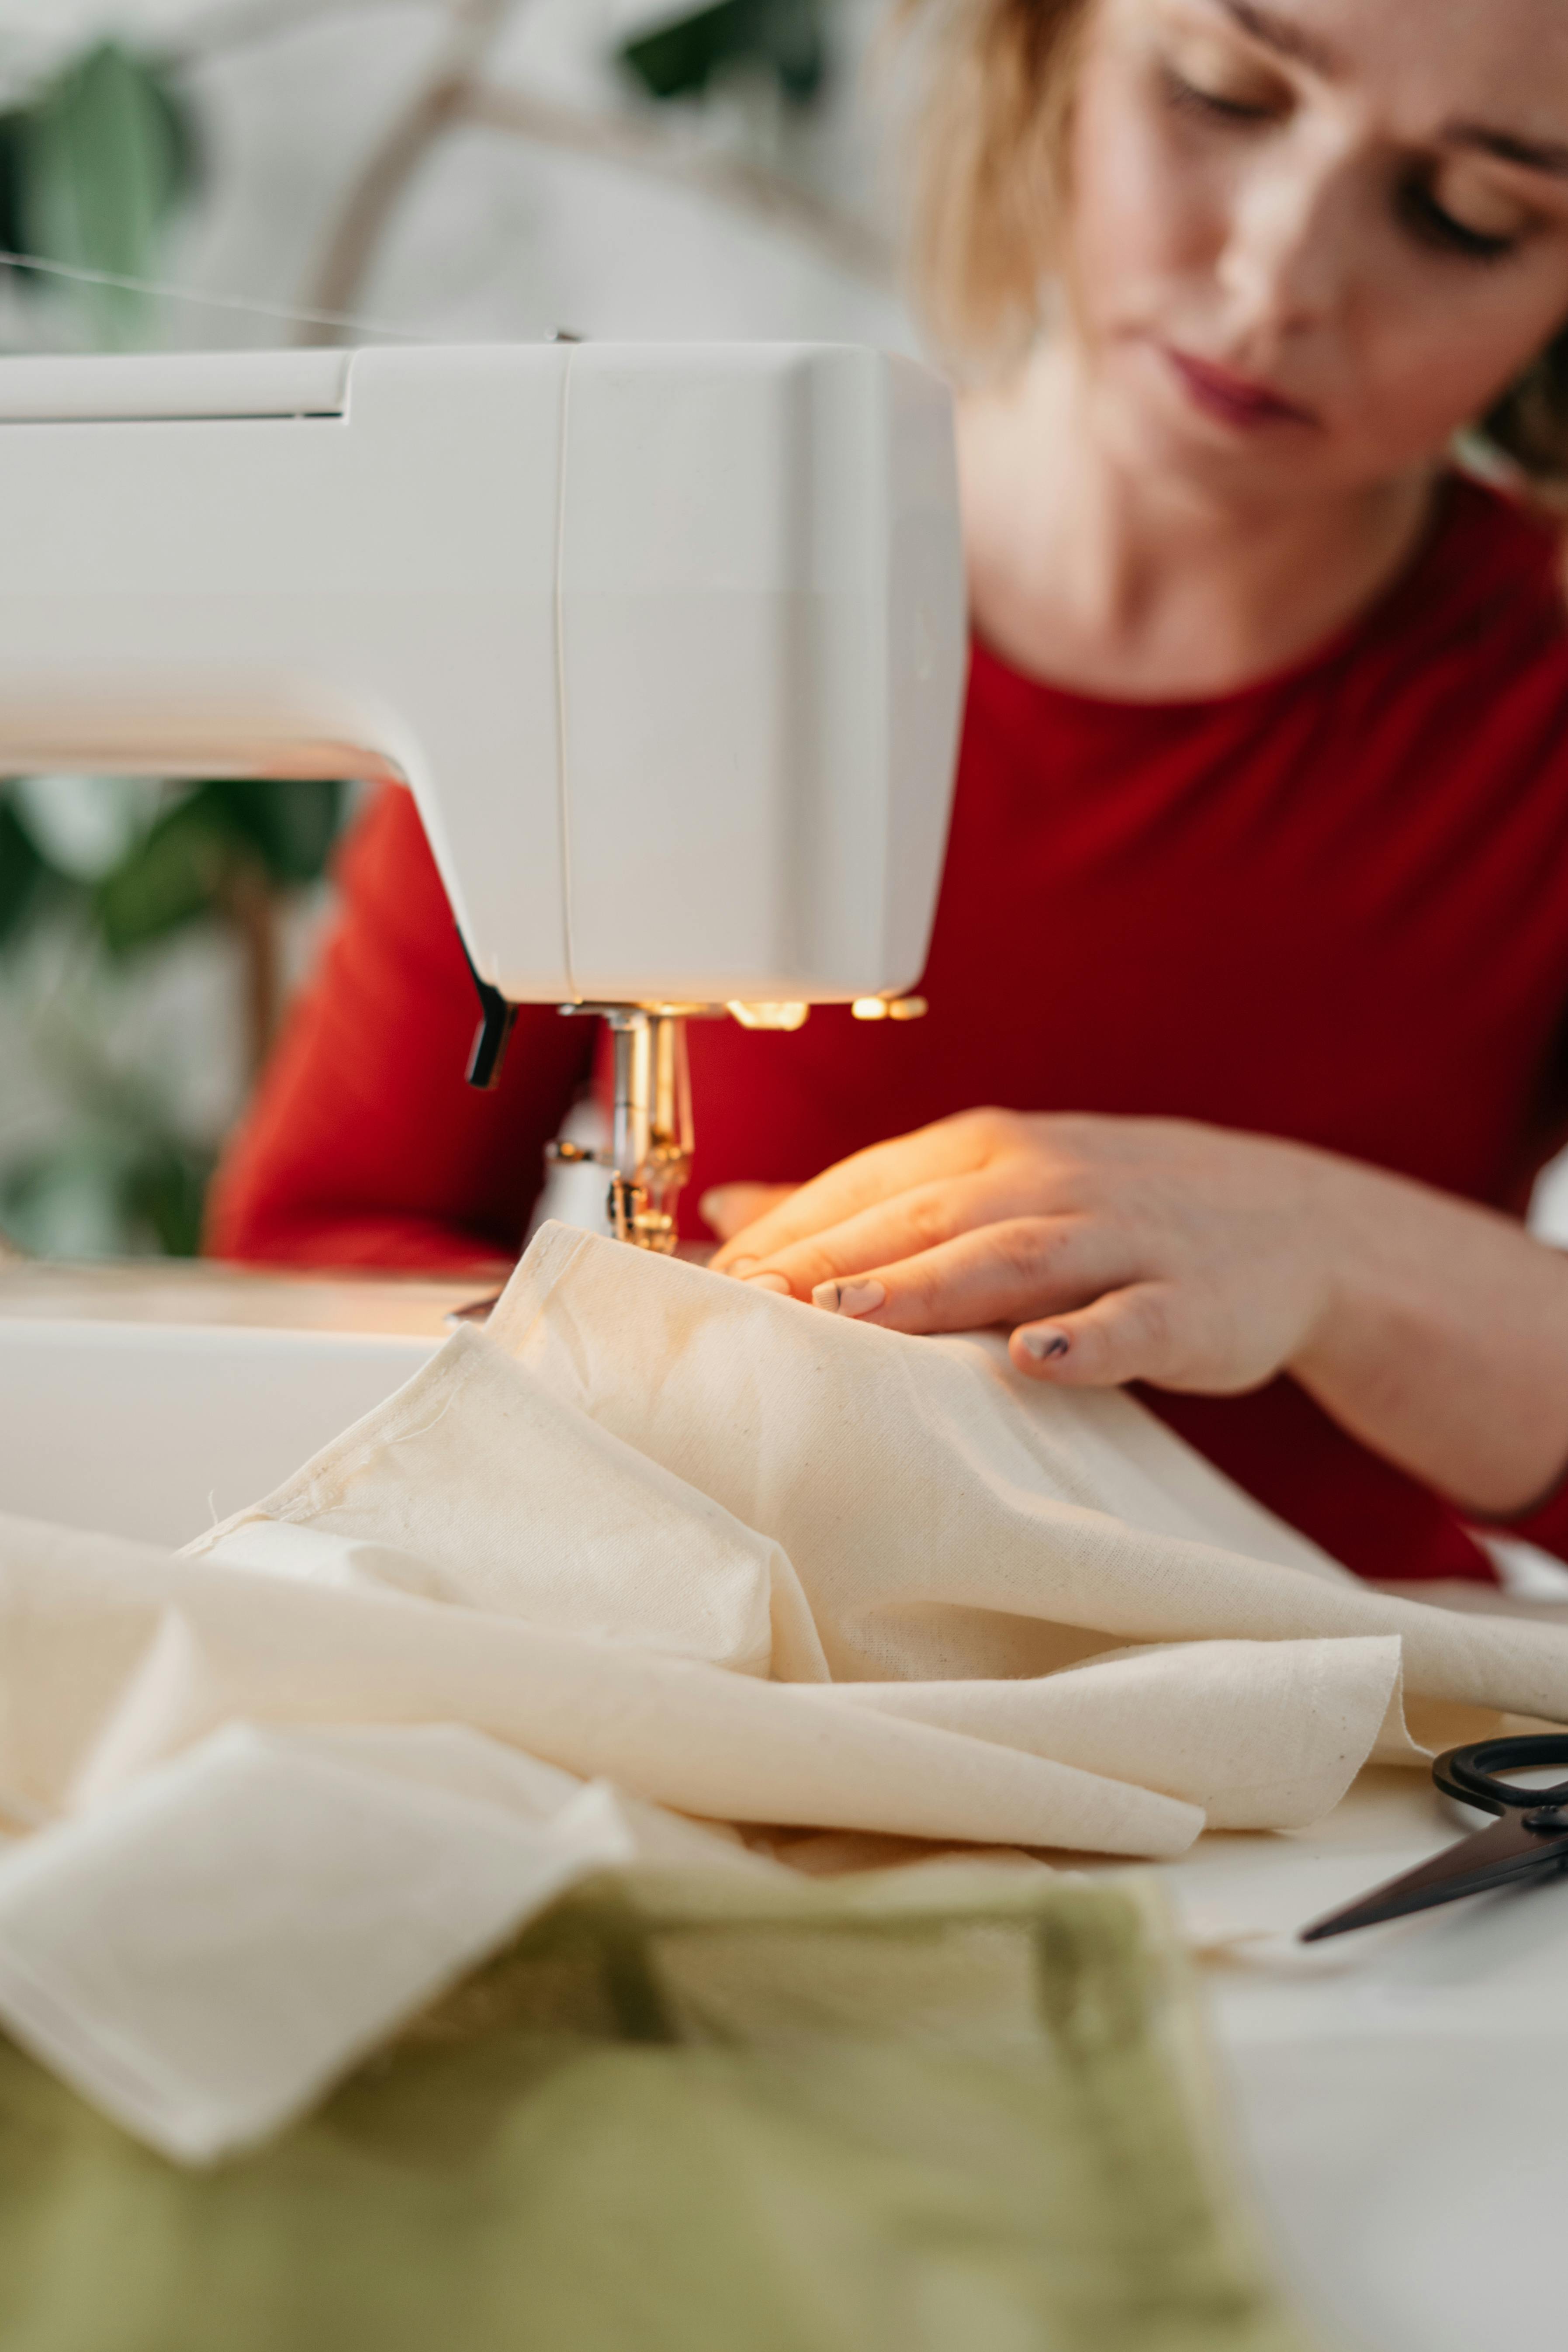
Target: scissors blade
1503	1851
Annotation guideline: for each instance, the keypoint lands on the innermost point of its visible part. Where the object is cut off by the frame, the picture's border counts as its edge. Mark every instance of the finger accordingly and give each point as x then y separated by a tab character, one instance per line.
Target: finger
728	1209
1023	1266
952	1147
879	1236
1131	1334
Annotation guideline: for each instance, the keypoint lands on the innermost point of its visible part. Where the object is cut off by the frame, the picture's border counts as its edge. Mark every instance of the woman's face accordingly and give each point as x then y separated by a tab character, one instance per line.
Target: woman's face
1310	239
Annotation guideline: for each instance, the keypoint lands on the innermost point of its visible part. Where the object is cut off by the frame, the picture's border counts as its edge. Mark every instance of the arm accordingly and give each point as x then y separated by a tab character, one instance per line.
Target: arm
364	1145
1160	1250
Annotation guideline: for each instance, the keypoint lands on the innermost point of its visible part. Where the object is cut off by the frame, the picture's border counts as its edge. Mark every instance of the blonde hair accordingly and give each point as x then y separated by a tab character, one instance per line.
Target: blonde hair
991	183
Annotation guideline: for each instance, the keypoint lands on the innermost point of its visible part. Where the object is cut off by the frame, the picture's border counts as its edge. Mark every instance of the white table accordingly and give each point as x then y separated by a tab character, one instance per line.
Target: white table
150	1399
1402	2096
1402	2092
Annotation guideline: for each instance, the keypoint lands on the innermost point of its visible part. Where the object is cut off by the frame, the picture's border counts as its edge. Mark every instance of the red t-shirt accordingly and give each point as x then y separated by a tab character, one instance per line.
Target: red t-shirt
1332	905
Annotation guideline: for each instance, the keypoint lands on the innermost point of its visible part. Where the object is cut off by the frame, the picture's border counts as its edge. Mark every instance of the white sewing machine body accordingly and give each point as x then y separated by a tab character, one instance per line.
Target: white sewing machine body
669	642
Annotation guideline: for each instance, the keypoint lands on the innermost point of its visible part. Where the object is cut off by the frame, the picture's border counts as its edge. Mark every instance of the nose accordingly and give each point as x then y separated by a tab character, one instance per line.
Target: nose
1288	256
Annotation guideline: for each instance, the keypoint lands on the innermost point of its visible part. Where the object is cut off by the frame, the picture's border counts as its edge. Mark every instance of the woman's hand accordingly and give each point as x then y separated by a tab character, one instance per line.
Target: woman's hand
730	1208
1160	1250
1121	1249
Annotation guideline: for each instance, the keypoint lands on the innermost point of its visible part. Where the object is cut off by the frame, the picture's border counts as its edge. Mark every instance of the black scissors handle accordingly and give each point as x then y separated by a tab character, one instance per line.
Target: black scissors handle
1470	1774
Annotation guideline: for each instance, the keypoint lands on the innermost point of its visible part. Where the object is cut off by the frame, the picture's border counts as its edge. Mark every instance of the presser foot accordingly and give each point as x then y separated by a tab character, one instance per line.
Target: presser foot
639	1212
649	1157
634	1219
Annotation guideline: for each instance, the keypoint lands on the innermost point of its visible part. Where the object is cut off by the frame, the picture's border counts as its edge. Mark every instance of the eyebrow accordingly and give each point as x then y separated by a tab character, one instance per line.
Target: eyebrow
1287	39
1534	154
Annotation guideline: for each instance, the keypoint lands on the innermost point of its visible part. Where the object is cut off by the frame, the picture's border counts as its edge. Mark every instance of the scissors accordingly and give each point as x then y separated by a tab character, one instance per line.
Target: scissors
1529	1841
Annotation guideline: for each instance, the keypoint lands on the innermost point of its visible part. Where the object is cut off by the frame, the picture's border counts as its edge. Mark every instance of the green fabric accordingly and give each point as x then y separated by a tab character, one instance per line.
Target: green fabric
960	2109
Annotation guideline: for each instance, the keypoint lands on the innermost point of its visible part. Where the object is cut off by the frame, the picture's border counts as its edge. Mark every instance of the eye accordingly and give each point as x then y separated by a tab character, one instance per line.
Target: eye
1213	105
1432	225
1204	74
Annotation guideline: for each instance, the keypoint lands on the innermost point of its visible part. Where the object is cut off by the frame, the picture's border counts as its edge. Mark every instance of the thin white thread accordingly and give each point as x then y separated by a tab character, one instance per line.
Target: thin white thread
561	769
283	311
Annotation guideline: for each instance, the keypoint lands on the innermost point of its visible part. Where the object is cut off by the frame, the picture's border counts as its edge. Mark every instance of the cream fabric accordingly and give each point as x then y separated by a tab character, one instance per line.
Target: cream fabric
946	1516
1261	1734
640	1451
478	1486
115	1660
653	1546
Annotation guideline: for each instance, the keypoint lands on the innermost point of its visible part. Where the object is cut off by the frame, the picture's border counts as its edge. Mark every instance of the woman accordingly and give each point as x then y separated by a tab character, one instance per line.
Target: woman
1254	917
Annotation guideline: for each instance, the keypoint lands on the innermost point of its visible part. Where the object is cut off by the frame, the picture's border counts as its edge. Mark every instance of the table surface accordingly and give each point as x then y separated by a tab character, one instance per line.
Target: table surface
194	1293
151	1400
1400	2096
1401	2093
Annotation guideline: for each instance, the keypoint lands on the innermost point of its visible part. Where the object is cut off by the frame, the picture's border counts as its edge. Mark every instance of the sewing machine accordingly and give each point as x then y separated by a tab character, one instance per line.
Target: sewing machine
667	642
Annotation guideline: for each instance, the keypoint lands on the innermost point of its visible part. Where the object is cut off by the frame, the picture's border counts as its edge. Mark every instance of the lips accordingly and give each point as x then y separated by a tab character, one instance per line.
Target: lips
1233	399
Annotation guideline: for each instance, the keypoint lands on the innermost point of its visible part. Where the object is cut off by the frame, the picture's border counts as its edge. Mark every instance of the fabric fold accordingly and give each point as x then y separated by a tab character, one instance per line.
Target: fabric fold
125	1662
475	1485
1262	1735
205	1955
948	1519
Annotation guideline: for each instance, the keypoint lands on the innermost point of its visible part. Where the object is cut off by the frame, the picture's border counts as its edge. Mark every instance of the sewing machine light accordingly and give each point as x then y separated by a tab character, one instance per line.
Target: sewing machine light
769	1016
888	1008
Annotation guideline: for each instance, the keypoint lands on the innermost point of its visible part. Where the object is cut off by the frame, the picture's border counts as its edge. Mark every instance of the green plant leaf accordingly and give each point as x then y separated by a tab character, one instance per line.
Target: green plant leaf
21	873
104	153
65	1201
173	876
104	1191
164	1193
187	153
12	199
291	824
784	36
187	863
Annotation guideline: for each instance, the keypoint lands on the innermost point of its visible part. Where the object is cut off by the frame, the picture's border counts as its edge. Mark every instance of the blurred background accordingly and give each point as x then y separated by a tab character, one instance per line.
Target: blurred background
458	169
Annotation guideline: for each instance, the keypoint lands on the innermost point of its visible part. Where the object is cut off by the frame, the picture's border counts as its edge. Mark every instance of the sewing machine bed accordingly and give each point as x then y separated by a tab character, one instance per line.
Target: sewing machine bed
147	1400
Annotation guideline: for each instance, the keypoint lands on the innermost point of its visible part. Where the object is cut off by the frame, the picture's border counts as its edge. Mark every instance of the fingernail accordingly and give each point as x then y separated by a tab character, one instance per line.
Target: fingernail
766	1281
848	1298
1044	1344
740	1268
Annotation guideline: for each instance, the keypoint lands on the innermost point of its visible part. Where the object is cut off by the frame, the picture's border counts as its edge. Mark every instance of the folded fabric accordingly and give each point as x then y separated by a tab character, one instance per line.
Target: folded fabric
736	1559
908	1513
205	1955
475	1485
1261	1734
475	1480
114	1659
947	1518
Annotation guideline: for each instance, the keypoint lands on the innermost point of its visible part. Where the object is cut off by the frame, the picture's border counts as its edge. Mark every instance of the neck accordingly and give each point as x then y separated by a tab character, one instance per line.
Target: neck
1115	578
